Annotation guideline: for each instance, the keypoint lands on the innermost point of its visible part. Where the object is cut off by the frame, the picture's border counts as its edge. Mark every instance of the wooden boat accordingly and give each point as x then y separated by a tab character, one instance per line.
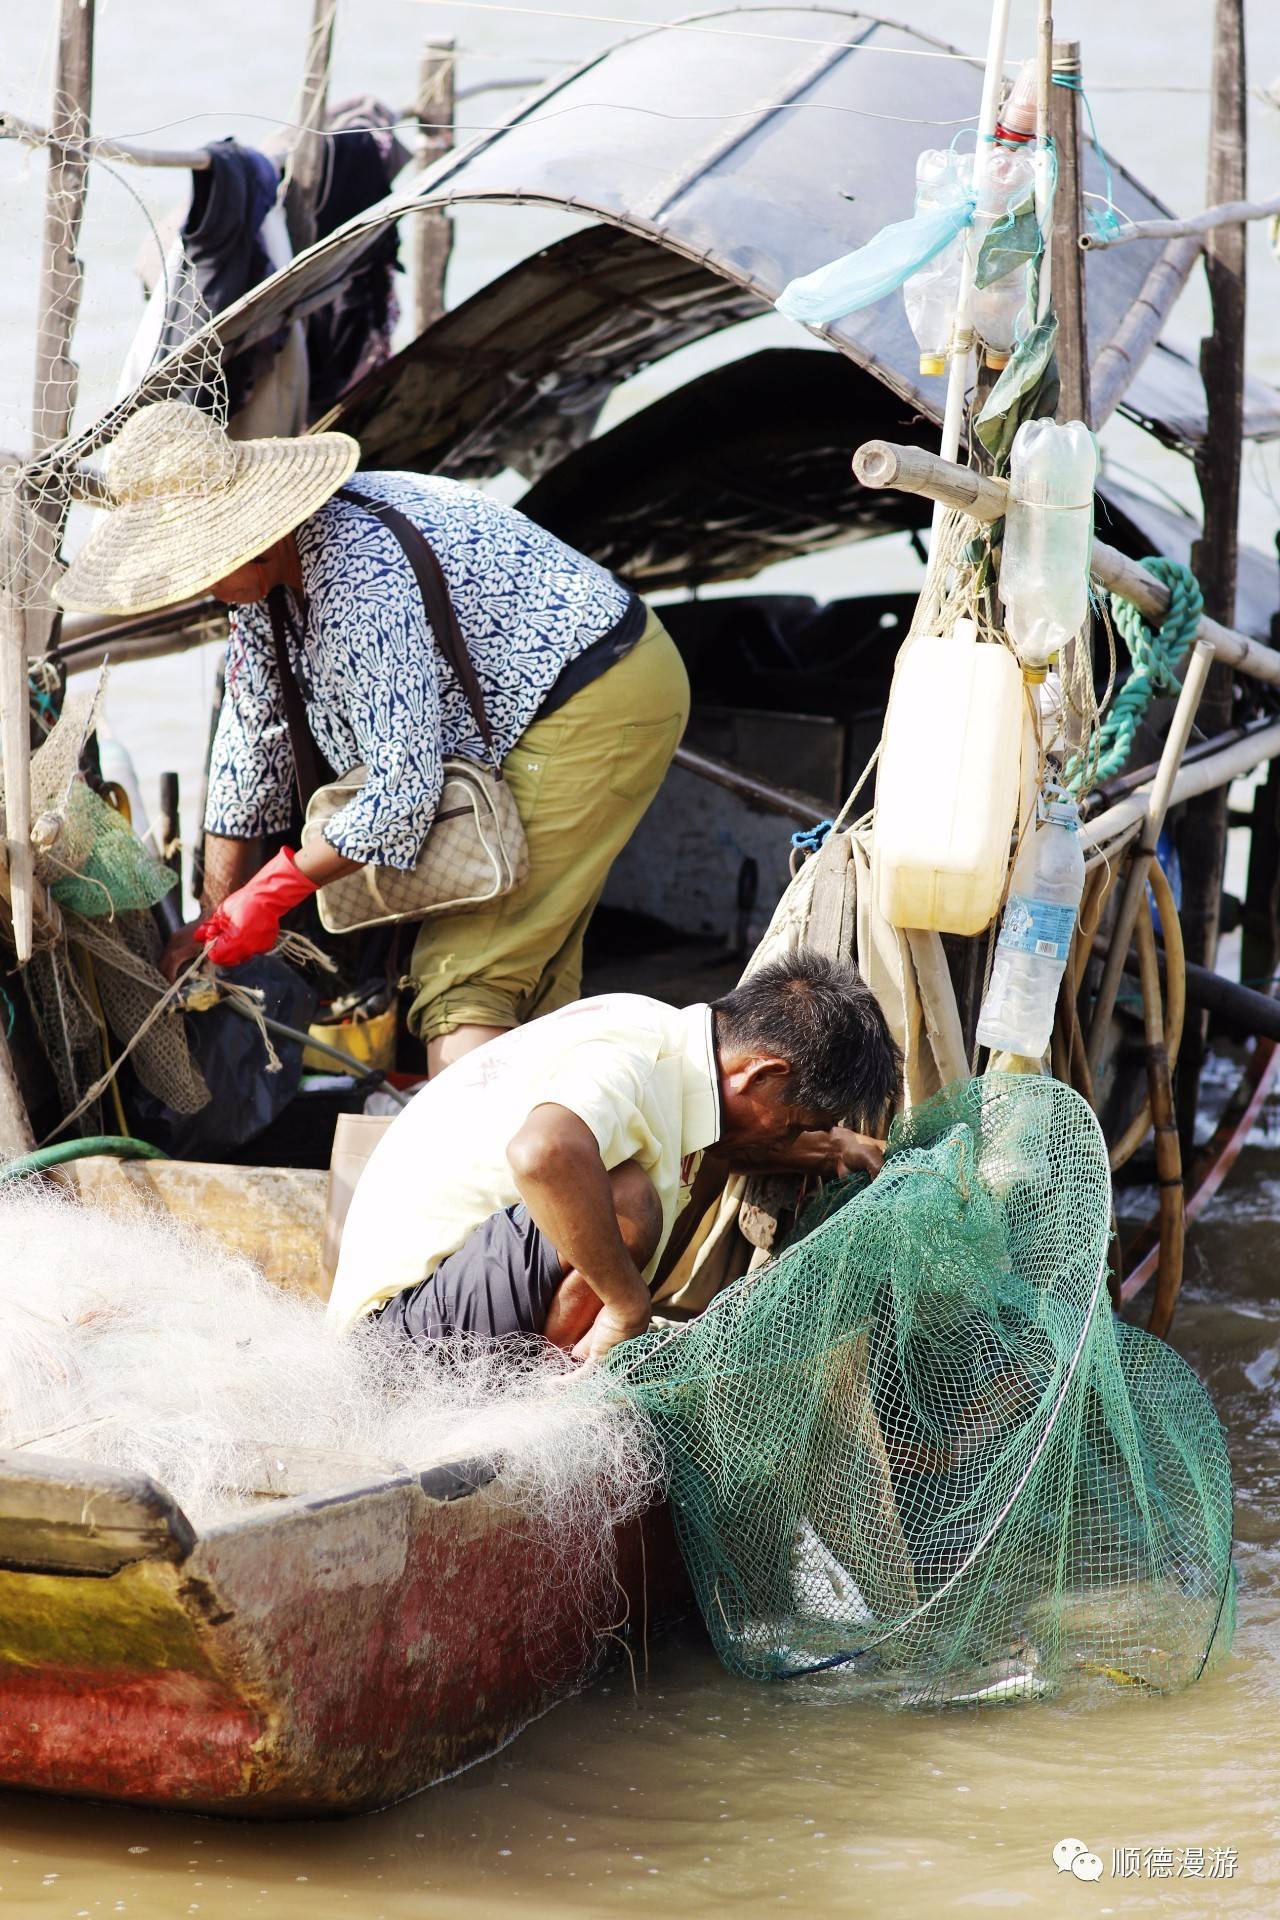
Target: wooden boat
326	1652
324	1655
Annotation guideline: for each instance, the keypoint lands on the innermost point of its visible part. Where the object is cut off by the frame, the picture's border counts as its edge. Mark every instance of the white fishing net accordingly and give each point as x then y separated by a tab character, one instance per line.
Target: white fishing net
146	1349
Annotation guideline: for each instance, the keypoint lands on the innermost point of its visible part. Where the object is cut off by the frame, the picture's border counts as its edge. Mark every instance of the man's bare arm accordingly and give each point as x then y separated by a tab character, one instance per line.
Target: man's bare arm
562	1180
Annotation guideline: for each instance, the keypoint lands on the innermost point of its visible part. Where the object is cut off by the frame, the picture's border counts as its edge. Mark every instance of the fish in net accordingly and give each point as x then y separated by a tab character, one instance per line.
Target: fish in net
917	1447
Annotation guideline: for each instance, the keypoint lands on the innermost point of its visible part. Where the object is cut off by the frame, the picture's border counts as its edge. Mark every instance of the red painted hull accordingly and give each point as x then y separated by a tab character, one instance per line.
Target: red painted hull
321	1656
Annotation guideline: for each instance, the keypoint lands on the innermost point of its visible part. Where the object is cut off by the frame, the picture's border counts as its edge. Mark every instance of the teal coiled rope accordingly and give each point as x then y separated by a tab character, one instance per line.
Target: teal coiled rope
1156	657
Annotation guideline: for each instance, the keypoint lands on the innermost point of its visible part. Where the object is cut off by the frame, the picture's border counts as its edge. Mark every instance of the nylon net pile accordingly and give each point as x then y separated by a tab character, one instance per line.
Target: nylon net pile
918	1447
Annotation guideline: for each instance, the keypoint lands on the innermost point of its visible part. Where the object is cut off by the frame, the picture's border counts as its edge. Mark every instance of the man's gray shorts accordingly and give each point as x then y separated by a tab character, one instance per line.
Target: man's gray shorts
499	1282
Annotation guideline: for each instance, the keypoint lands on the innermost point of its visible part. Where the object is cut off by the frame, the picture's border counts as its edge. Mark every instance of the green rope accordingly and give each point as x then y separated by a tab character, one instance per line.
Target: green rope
1156	658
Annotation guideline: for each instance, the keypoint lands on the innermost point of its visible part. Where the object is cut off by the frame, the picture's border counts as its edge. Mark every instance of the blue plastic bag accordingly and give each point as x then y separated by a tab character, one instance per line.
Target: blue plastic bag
868	274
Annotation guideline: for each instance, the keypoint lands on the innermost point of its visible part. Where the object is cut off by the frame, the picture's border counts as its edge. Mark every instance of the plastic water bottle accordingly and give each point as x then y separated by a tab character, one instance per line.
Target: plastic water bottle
997	309
1017	119
943	179
1048	535
1035	935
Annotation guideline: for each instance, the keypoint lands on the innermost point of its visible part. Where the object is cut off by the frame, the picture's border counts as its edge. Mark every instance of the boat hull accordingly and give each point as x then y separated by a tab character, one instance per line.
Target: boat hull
322	1656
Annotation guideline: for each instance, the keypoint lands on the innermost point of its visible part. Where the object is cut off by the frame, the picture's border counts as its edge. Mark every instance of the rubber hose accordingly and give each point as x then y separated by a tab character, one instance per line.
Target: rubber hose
43	1158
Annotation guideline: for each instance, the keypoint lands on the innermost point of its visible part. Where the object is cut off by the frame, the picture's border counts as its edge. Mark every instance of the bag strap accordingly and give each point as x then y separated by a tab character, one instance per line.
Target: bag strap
310	768
437	603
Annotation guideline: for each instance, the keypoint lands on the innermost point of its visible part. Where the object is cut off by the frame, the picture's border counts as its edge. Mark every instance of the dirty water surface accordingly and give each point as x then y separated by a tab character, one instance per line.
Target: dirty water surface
694	1791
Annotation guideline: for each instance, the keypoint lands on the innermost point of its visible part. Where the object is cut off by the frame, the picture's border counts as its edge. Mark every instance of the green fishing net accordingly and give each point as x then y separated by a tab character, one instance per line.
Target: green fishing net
101	866
918	1447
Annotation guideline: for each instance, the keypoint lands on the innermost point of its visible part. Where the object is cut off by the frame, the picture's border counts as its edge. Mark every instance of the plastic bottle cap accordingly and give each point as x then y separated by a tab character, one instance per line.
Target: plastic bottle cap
1034	675
933	364
996	359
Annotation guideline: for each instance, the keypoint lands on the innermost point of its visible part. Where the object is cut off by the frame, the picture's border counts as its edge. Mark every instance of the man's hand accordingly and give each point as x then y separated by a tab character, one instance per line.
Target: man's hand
848	1152
613	1325
837	1151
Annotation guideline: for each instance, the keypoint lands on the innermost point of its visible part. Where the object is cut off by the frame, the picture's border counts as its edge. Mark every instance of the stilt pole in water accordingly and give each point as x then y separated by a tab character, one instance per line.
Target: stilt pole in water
1202	841
433	229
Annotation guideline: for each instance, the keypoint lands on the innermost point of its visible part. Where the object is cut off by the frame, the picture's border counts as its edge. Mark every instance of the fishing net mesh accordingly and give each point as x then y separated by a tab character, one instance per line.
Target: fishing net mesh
917	1446
103	981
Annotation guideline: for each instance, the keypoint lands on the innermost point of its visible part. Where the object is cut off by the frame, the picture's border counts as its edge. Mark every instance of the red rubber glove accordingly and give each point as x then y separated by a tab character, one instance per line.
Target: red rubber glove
248	921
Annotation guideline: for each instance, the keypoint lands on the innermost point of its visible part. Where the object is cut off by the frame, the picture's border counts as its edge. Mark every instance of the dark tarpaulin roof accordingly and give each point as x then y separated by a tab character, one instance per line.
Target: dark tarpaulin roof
758	159
748	161
749	464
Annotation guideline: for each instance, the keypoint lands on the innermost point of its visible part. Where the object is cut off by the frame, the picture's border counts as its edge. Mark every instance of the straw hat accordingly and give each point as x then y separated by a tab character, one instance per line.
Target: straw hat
192	505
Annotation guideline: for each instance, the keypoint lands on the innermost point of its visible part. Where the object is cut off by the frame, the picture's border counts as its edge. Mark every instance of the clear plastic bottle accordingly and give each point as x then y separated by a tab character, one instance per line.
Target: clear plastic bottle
1009	178
943	179
1035	935
1048	534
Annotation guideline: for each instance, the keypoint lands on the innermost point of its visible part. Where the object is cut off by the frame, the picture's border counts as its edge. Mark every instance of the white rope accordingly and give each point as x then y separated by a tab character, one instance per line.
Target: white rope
695	26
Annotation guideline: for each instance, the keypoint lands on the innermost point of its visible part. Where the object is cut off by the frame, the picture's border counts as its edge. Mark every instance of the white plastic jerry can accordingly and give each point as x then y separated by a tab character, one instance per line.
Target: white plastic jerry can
947	784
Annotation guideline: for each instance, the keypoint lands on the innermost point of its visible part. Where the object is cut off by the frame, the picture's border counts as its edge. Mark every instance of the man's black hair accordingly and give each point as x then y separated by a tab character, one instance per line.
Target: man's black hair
822	1017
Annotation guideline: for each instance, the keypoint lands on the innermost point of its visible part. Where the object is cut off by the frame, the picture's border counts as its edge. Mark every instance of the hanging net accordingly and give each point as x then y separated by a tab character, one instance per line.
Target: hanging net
917	1446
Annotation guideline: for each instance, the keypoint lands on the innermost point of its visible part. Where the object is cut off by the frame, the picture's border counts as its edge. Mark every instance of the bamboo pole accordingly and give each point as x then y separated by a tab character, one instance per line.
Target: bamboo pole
61	275
1158	799
1067	259
1195	225
962	327
13	126
1043	161
433	228
1119	359
15	716
307	155
1202	838
61	284
1167	1145
1241	756
880	463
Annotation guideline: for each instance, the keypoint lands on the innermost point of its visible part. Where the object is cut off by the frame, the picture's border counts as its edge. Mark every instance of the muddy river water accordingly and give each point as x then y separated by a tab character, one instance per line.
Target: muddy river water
694	1791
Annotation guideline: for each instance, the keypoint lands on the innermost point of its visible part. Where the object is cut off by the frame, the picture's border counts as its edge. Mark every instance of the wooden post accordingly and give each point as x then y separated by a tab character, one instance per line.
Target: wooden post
61	282
1067	261
433	229
1202	839
15	714
307	155
61	275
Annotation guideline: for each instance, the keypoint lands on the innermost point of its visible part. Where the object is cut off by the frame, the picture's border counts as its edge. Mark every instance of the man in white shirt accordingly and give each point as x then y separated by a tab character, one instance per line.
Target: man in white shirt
534	1186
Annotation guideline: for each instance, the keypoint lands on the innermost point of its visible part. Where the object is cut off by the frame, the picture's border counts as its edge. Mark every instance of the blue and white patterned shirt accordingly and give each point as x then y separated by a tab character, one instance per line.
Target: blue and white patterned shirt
377	689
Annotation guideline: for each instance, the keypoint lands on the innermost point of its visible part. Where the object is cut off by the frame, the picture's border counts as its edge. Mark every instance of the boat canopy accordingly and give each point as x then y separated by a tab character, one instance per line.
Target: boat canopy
748	464
710	162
